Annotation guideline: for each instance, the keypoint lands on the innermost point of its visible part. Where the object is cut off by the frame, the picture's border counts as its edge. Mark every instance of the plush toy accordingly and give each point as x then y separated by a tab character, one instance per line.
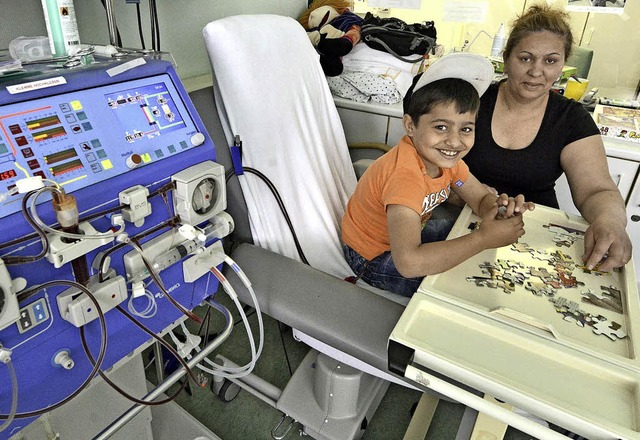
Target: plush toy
333	30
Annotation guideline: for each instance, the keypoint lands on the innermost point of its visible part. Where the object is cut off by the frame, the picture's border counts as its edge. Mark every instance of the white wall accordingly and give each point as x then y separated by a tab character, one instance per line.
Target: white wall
615	41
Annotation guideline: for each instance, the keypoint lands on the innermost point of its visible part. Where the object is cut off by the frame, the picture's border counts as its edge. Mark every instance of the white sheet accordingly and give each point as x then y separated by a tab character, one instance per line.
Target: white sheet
270	90
364	59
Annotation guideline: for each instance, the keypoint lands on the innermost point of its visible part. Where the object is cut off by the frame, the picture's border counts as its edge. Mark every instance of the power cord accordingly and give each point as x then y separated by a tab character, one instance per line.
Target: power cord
281	205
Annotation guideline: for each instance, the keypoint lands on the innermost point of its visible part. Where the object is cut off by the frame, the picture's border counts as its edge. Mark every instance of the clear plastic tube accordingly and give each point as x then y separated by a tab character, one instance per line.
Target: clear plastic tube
237	372
149	311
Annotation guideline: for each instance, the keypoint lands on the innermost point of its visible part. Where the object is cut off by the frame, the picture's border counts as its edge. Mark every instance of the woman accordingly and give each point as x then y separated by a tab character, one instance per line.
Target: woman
526	136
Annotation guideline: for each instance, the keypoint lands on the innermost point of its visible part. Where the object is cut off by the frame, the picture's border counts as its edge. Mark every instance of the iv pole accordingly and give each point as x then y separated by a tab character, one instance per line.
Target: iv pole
111	23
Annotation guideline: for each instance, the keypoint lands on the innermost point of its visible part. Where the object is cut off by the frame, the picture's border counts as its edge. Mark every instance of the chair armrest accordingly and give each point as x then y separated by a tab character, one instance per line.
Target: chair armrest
340	314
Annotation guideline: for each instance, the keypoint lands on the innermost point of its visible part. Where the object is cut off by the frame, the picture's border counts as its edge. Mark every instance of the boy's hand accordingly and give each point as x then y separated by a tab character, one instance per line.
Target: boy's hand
510	206
497	232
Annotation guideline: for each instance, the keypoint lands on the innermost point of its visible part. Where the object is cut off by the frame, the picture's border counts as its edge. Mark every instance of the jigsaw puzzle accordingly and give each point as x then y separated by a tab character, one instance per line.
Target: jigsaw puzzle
554	271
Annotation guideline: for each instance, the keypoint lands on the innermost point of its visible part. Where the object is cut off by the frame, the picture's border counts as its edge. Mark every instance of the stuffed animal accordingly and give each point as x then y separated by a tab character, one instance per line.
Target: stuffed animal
333	30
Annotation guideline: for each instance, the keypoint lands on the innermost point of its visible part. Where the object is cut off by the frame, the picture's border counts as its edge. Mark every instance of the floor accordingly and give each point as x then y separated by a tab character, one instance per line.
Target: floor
247	417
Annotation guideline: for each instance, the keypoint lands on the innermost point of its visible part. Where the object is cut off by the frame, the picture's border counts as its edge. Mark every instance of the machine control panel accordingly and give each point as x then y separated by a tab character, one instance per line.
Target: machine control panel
80	138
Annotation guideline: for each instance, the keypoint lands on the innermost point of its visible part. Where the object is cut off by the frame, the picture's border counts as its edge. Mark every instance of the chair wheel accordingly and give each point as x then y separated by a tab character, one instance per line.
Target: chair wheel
228	391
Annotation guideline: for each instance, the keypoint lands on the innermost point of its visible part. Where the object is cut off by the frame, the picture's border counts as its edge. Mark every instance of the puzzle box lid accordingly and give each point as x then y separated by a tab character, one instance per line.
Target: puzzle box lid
531	339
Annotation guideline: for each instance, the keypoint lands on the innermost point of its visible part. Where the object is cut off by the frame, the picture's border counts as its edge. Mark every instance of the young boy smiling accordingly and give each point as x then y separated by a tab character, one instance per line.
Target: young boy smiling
389	241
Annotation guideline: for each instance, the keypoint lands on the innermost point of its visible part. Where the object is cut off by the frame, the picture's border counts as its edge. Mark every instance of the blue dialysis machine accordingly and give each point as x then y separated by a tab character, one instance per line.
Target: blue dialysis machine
108	188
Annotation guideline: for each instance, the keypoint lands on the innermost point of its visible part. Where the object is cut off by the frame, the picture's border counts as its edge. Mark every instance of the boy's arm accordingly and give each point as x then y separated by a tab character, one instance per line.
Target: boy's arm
473	192
413	258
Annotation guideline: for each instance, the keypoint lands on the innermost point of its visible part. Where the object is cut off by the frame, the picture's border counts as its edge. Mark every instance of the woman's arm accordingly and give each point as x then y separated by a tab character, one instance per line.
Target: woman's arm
599	201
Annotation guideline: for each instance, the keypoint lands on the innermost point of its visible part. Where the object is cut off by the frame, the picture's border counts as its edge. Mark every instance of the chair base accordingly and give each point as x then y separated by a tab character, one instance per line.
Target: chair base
333	401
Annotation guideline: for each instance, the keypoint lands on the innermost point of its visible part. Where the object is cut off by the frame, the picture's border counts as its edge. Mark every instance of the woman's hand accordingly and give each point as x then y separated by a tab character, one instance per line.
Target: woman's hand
606	245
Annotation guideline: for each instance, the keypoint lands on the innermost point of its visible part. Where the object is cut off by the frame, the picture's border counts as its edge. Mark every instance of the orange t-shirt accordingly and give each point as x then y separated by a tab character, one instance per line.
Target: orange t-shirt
399	177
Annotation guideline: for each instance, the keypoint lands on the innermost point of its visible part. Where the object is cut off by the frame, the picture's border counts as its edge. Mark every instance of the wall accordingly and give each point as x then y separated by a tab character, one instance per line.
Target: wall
615	39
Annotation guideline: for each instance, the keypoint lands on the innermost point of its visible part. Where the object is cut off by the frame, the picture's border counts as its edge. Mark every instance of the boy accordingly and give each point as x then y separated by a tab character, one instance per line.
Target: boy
388	240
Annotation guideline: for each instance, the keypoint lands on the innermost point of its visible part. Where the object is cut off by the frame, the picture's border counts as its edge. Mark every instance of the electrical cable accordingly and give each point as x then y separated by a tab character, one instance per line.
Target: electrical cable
101	354
284	347
164	343
120	391
156	23
140	33
14	395
152	20
283	209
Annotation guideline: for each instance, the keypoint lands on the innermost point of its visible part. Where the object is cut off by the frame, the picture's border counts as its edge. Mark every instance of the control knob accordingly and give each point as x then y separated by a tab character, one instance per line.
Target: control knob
134	160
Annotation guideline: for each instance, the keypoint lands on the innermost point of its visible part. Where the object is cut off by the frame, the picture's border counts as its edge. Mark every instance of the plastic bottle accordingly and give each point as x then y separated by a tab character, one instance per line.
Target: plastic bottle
498	41
62	27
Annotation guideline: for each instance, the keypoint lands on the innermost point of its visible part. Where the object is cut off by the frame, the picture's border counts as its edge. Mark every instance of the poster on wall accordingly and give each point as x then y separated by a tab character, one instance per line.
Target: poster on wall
597	6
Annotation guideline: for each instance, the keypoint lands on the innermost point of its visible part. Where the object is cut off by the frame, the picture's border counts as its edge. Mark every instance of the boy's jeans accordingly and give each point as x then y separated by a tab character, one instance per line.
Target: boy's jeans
382	273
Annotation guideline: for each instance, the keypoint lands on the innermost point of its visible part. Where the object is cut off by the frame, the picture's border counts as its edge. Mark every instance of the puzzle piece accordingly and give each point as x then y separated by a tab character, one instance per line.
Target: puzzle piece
556	228
613	293
539	289
612	330
563	266
563	303
569	280
562	257
514	277
580	320
594	271
604	302
542	256
483	282
508	264
571	311
490	269
542	273
564	236
522	247
507	286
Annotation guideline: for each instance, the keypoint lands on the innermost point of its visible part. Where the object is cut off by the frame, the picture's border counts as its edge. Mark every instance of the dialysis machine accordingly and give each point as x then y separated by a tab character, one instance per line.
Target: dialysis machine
111	200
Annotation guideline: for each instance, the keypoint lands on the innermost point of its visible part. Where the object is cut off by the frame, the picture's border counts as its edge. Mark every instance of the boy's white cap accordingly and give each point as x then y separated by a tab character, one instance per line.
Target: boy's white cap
470	67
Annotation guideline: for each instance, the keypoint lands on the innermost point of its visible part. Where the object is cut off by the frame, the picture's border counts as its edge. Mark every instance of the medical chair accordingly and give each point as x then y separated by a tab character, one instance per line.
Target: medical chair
279	118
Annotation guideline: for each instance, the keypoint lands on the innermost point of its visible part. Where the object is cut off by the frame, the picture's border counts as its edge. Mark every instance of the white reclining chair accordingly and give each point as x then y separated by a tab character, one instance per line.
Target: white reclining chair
271	95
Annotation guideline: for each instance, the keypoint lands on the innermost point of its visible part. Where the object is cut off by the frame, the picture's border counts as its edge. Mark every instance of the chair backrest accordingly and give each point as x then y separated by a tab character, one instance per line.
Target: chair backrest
270	90
581	59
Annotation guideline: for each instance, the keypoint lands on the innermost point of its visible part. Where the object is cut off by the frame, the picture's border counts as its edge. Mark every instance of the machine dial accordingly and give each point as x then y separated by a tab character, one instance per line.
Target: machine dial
205	196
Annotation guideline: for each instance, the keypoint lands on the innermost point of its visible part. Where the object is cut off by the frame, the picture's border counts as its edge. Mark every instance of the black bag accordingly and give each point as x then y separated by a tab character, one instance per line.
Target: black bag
398	38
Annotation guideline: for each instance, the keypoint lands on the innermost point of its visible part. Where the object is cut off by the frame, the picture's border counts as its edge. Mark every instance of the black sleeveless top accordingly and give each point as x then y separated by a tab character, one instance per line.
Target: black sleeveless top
533	170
